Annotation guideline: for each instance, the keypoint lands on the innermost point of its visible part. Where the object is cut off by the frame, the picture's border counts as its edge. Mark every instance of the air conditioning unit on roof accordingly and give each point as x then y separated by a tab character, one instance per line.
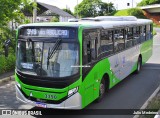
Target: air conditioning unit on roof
116	18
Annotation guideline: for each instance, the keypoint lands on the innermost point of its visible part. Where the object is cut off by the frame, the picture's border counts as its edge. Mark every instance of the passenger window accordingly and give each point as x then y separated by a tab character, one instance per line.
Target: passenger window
106	43
119	43
129	38
136	35
148	32
151	31
143	33
89	46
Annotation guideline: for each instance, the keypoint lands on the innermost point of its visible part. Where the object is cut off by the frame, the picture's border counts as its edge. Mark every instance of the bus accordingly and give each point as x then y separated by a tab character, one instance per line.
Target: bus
68	65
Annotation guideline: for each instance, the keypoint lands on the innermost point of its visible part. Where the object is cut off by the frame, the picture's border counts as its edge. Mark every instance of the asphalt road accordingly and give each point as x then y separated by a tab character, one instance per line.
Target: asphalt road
131	93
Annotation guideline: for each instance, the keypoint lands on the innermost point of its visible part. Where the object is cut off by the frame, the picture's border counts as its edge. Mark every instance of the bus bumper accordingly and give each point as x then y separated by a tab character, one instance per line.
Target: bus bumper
73	102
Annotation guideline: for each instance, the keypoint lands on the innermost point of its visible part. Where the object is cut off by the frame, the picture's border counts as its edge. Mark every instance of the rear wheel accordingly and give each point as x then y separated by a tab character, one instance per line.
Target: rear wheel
139	65
102	90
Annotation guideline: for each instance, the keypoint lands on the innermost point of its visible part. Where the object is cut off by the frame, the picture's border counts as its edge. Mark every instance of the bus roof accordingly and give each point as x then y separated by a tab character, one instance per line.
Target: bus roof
91	23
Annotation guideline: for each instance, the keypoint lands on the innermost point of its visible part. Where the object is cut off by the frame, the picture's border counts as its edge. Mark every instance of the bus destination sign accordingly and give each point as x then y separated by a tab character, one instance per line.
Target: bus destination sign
46	32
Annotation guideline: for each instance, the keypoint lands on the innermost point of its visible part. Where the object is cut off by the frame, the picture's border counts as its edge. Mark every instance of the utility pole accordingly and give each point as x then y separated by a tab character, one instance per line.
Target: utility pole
35	11
108	6
77	8
132	3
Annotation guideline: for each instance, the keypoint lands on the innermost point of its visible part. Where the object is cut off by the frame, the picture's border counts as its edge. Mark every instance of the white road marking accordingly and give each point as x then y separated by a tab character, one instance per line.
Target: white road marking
152	68
156	44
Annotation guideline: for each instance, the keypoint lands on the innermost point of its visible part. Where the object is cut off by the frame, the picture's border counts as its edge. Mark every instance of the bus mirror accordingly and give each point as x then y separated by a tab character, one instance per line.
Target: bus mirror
6	51
7	42
5	46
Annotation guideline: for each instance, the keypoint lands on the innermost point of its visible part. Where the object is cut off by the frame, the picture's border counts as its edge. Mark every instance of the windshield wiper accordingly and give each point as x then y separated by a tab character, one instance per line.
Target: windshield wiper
53	50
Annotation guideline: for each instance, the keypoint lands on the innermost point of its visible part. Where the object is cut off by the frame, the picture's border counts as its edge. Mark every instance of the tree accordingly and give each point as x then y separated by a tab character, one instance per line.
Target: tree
92	8
68	11
148	2
9	10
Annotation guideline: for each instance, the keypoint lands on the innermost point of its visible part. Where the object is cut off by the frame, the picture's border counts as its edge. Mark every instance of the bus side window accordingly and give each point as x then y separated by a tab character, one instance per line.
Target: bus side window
106	43
151	31
89	46
86	49
148	32
143	33
136	35
119	43
129	38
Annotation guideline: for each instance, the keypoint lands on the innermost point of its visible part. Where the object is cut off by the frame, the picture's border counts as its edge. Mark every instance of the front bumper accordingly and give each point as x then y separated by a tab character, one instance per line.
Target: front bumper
73	102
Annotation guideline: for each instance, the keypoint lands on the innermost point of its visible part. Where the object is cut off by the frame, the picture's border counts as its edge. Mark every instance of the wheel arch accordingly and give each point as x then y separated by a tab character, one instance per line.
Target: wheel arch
107	80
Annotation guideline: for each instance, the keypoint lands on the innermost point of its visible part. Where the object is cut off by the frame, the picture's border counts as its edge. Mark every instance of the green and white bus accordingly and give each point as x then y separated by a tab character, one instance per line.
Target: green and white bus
68	65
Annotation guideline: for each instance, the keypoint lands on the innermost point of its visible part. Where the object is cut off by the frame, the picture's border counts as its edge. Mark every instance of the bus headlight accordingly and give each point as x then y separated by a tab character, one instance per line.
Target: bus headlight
72	91
18	85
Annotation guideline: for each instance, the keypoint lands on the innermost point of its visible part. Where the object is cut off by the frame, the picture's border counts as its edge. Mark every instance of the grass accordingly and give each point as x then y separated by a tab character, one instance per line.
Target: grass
153	104
122	13
130	12
156	26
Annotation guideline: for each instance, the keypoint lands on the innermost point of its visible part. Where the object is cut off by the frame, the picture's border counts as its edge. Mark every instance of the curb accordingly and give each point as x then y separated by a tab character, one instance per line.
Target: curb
4	80
147	101
157	116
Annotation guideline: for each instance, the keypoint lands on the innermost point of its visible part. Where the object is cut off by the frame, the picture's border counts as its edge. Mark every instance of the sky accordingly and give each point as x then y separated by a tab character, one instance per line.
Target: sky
119	4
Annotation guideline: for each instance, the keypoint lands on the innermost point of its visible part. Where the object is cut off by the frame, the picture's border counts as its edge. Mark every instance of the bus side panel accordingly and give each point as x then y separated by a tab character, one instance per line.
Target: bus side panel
81	87
117	67
92	80
146	50
124	64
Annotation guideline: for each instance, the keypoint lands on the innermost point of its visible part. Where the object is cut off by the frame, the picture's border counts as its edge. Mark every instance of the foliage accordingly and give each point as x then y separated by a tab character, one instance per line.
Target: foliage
7	63
11	9
154	32
121	13
148	2
92	8
155	25
68	11
55	19
131	12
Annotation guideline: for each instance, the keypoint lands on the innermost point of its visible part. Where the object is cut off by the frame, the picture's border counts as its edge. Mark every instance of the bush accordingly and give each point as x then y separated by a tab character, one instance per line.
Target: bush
131	12
154	32
136	12
55	19
7	63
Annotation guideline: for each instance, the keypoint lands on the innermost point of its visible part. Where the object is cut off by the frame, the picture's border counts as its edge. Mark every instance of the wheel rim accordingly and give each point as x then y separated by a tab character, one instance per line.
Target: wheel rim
102	89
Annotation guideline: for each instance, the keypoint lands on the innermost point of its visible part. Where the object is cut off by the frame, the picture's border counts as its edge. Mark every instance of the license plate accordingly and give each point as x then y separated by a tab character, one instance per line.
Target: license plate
42	105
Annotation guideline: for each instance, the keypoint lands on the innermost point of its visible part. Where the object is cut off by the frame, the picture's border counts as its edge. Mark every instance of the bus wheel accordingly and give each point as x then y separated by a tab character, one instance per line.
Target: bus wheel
102	89
139	65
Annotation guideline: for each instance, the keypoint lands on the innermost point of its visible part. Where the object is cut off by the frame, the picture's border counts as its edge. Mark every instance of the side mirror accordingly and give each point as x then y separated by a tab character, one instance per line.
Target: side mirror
5	46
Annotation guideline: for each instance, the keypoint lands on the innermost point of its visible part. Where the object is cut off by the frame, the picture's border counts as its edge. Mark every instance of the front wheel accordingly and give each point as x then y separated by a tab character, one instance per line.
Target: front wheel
139	65
101	90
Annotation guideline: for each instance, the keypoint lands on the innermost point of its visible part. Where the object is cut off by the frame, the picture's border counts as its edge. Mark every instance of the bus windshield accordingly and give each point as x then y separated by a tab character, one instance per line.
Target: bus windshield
43	59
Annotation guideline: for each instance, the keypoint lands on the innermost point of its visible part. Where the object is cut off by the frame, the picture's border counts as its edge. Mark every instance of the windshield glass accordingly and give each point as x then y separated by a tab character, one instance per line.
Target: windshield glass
35	58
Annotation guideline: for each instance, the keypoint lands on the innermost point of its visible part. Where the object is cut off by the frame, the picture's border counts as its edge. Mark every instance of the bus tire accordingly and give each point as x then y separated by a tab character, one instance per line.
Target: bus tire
102	89
139	65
